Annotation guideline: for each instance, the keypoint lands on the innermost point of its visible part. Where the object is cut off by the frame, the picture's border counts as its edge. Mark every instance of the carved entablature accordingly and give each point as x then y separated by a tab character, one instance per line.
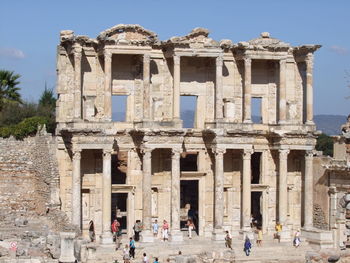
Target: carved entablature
128	35
302	51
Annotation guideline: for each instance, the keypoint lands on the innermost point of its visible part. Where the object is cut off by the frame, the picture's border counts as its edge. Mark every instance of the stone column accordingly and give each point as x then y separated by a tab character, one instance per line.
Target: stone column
76	189
309	89
106	237
282	92
176	89
246	188
282	184
218	233
146	87
77	81
176	234
247	118
108	85
308	191
147	235
219	89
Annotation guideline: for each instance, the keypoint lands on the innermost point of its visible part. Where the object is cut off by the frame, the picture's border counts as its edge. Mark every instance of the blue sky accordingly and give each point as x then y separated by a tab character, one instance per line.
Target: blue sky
29	33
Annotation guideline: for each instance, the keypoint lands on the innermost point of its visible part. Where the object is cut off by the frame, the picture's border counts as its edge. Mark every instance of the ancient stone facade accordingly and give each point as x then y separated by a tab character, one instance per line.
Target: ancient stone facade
226	167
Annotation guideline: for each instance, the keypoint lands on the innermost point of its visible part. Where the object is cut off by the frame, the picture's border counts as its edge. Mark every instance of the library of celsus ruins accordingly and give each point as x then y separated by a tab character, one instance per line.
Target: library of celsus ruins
229	170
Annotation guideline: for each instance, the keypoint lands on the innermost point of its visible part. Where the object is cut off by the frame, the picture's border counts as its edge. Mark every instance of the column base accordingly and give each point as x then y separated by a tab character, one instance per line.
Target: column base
310	123
106	239
248	121
218	234
285	235
247	232
147	236
176	236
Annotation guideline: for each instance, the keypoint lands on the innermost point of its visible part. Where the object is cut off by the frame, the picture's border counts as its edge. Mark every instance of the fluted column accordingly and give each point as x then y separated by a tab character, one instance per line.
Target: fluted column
146	87
282	92
283	187
219	88
308	191
246	188
309	89
77	81
219	188
175	195
176	88
147	194
107	197
76	189
247	112
108	85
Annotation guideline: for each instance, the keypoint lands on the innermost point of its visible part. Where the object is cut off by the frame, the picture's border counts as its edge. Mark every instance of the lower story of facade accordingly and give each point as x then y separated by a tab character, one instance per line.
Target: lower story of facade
220	183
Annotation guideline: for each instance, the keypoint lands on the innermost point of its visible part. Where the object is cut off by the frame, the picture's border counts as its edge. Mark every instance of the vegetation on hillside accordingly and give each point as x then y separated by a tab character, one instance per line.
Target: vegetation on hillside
325	144
22	118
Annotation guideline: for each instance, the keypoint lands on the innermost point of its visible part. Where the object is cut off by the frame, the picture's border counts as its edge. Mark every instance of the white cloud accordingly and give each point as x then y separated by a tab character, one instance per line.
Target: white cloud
339	50
11	53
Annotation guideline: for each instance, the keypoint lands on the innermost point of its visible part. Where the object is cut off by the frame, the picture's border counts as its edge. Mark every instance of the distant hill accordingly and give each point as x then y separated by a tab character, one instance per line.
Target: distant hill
328	124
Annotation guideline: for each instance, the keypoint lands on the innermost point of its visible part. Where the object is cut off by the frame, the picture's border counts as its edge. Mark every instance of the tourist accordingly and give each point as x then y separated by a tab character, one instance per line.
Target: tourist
132	248
260	237
155	227
296	240
278	229
92	231
115	229
156	260
247	246
190	226
126	254
137	229
228	240
145	258
165	229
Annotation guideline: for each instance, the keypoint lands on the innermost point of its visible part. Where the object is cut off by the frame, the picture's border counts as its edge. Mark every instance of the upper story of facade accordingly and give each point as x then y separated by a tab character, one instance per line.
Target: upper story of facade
225	79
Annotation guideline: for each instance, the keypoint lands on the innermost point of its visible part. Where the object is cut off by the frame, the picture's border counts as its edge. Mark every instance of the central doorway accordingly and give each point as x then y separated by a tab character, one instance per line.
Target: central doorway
189	202
256	209
119	209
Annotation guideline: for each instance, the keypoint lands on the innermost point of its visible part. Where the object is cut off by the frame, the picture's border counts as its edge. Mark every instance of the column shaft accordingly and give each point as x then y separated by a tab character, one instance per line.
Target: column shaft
76	190
147	189
219	88
108	85
309	89
77	82
175	190
308	191
246	191
107	198
219	188
283	187
282	92
247	91
176	89
146	87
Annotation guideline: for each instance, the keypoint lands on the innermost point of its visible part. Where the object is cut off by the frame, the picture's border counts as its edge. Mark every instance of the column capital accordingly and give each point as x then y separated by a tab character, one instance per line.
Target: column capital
219	151
77	154
284	152
77	49
177	59
107	54
309	154
247	61
283	61
175	153
146	58
247	153
146	151
107	152
219	61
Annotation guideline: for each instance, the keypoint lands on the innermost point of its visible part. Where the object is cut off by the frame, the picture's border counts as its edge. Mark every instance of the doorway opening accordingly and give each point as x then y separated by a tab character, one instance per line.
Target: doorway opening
119	209
256	208
189	202
257	110
256	168
189	162
188	106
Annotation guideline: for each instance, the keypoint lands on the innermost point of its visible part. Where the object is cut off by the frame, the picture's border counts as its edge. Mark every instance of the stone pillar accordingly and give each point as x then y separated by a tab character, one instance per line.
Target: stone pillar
67	247
146	87
219	89
309	89
308	191
77	81
246	189
108	85
106	237
282	92
283	191
76	189
176	234
147	235
176	89
247	118
218	233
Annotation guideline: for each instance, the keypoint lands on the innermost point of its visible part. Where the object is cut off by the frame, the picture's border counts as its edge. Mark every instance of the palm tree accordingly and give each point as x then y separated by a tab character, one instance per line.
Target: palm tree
9	91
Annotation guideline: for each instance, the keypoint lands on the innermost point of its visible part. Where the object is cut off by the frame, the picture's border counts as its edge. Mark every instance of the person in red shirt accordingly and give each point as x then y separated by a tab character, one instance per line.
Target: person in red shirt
165	229
115	229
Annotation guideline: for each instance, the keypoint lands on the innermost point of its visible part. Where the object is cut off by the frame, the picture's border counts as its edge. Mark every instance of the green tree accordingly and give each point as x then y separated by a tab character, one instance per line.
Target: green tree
9	90
325	144
47	108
